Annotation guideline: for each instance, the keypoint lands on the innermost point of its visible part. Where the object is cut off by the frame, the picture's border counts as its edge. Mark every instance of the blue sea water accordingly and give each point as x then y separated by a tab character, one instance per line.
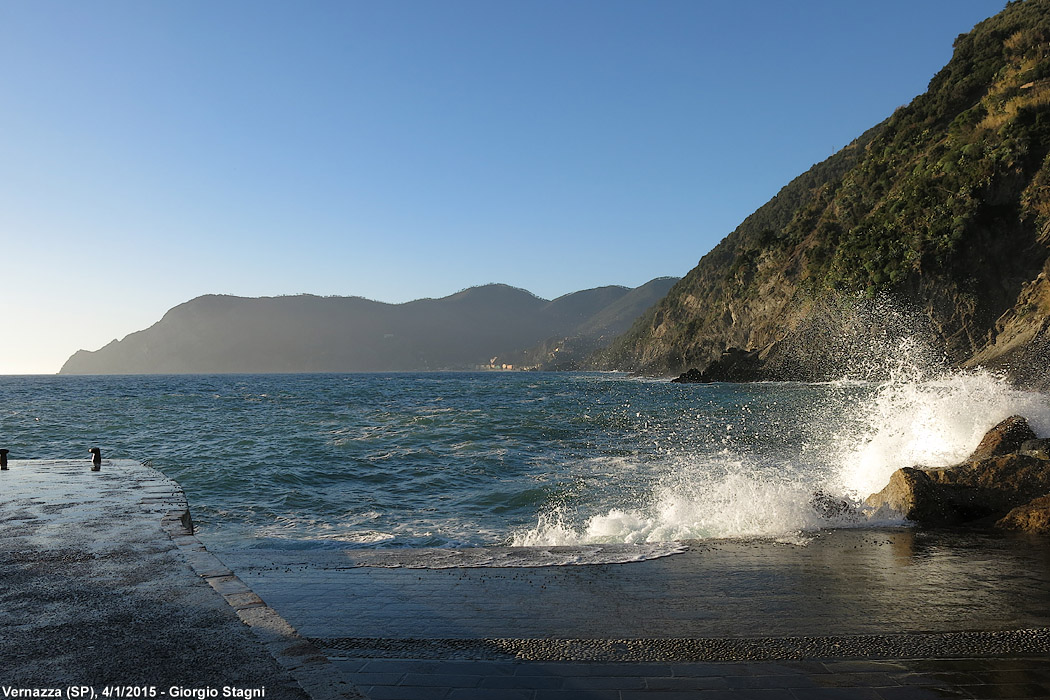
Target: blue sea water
382	461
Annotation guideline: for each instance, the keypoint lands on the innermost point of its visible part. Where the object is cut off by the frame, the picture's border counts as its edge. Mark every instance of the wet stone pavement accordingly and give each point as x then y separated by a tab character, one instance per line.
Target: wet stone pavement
103	584
103	587
853	614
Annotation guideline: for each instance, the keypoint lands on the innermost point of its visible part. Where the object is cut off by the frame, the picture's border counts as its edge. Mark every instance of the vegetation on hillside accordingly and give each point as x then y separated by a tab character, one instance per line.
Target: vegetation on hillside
945	204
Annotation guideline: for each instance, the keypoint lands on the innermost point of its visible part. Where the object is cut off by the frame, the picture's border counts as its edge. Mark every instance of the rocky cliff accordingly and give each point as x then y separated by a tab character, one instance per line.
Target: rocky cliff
305	333
937	219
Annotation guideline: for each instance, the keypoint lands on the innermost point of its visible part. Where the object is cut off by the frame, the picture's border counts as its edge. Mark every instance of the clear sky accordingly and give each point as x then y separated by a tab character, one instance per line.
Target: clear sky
151	152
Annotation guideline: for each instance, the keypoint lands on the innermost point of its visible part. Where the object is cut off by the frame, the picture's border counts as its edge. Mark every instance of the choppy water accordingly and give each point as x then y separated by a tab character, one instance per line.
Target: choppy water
451	460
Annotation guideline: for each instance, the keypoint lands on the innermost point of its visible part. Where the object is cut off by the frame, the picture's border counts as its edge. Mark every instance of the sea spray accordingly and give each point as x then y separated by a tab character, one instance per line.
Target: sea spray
742	479
920	421
735	506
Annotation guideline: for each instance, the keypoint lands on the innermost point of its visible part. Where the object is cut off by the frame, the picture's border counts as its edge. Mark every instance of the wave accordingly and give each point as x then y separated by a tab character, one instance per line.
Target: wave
931	422
854	436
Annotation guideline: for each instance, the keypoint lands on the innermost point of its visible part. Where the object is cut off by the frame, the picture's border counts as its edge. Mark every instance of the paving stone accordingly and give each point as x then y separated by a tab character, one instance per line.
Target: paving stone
855	680
1008	690
348	665
919	693
852	693
577	694
622	669
242	601
603	682
443	680
489	694
386	692
1009	676
693	683
744	694
936	678
533	682
779	681
709	669
207	565
225	585
402	666
662	695
363	679
864	666
551	669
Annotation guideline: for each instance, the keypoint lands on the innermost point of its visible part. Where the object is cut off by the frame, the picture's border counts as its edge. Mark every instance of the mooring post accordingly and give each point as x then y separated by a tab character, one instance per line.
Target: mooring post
3	459
96	459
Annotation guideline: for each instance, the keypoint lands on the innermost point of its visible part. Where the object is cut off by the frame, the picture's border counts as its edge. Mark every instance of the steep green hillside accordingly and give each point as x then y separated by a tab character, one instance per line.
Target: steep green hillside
943	208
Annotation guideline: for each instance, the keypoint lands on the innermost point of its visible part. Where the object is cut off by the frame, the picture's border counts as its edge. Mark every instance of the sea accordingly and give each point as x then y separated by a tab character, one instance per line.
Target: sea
605	465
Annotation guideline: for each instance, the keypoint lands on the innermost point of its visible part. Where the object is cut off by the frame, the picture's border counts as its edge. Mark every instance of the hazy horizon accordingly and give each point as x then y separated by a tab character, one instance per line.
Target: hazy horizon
157	152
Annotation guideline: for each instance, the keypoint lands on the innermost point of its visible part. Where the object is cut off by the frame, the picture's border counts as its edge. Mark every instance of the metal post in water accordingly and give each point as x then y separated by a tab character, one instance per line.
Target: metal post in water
3	459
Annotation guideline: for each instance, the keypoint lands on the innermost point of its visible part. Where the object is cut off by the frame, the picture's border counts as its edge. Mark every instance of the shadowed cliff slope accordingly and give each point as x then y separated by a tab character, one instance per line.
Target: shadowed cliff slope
218	334
942	211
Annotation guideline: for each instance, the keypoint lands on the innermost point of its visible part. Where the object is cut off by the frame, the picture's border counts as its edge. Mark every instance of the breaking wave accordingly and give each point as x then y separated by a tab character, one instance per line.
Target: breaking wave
849	438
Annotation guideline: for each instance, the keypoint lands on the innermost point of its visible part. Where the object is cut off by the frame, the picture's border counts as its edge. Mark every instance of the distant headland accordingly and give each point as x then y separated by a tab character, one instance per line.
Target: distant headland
489	327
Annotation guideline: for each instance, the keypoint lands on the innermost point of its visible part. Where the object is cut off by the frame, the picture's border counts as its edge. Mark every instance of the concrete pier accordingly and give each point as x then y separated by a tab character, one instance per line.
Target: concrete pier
103	586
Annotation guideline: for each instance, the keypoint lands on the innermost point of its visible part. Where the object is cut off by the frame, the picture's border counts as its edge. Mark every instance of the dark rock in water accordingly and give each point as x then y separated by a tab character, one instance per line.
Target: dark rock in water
1005	438
981	489
1031	517
735	365
1036	448
833	509
693	376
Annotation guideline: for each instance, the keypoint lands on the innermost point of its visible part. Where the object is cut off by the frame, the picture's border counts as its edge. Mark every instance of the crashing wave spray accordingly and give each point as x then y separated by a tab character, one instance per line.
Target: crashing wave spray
731	505
929	422
897	406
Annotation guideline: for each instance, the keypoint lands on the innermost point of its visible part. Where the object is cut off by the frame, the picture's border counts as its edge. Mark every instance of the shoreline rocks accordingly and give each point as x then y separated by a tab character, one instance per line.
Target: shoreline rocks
1005	438
734	365
1031	517
1005	483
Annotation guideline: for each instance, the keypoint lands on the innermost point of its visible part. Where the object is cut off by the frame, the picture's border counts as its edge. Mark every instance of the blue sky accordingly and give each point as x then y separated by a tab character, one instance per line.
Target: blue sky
153	152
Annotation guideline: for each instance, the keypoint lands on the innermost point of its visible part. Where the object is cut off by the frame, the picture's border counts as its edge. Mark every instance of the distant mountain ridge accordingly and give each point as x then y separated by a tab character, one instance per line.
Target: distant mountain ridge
936	220
306	333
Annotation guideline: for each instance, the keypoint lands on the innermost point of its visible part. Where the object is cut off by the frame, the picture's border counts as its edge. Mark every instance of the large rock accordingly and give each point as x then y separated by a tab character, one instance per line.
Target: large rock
1005	438
982	489
912	494
1031	517
734	365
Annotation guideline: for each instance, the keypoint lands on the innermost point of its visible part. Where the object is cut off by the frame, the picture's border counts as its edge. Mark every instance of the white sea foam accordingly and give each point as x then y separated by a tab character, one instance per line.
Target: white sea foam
510	557
734	505
925	421
852	447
